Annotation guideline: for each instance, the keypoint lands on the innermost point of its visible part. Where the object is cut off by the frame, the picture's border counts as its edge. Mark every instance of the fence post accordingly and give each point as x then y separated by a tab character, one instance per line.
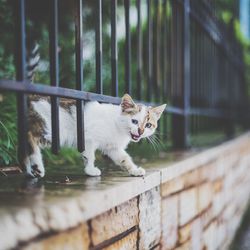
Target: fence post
181	122
54	73
20	65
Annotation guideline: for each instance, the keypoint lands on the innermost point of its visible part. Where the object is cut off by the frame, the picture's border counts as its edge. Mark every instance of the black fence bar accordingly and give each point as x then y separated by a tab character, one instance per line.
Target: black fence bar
54	73
182	93
199	75
98	37
176	123
39	88
149	51
20	58
156	49
173	46
79	75
139	51
186	71
164	52
114	54
164	60
127	48
26	87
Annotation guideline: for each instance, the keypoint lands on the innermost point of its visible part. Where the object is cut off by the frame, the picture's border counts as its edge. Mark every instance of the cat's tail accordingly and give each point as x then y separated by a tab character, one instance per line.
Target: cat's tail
33	59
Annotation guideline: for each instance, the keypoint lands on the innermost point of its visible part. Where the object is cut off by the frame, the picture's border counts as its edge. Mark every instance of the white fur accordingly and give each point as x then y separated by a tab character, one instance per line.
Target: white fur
106	127
67	124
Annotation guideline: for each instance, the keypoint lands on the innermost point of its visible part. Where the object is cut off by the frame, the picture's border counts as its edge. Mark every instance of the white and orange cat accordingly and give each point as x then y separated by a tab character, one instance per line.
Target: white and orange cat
108	128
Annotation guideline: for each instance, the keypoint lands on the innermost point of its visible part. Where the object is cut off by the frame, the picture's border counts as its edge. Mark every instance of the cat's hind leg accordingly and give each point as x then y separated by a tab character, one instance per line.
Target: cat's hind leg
89	161
33	162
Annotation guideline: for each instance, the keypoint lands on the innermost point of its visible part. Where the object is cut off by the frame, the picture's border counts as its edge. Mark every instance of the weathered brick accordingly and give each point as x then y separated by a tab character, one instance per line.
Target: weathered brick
73	239
128	242
219	201
229	179
150	218
188	205
185	233
209	237
157	247
185	181
204	196
228	212
220	235
218	185
196	234
206	217
114	222
172	186
191	178
169	222
207	172
185	246
221	167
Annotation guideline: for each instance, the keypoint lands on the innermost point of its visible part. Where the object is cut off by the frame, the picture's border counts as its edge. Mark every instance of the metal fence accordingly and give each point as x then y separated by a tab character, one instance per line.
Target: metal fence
184	57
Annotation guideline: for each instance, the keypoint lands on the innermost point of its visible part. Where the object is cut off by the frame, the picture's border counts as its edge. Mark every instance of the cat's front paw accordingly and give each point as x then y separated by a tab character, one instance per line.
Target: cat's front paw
92	171
137	171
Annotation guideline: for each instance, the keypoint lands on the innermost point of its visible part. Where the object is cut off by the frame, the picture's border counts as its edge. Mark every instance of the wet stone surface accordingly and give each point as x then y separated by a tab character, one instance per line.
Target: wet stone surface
67	181
19	190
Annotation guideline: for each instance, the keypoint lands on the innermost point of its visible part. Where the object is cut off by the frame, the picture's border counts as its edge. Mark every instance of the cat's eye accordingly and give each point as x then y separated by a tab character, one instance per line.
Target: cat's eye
148	125
134	121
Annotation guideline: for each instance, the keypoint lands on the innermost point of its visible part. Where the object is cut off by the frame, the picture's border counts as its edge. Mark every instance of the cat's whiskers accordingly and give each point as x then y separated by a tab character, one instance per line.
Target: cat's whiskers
157	138
151	142
156	141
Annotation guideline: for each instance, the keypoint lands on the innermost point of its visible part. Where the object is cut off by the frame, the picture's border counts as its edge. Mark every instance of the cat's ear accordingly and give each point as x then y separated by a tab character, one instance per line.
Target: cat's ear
128	105
157	111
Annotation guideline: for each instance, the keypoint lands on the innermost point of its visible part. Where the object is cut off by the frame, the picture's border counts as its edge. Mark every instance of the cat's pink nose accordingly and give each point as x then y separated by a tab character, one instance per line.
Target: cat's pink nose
140	131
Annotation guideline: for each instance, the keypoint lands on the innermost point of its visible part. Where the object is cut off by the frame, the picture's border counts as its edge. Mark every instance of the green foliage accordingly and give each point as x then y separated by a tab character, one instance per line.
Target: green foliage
8	133
245	45
226	8
66	156
226	16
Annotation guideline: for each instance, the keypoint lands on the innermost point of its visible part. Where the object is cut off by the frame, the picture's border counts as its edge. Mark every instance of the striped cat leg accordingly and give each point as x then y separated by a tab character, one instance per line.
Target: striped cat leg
34	163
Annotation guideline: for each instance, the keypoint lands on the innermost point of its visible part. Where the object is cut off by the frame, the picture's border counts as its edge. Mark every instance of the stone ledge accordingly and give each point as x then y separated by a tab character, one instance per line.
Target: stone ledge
176	169
44	213
44	209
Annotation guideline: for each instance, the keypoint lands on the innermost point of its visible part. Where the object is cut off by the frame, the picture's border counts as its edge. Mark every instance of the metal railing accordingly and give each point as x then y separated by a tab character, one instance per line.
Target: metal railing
183	57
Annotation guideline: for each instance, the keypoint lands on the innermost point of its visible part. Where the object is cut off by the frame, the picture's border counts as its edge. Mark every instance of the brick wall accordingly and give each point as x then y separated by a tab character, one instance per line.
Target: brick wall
198	204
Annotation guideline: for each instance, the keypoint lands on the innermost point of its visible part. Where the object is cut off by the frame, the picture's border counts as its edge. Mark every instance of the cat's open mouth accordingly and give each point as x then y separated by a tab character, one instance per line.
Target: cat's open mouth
135	137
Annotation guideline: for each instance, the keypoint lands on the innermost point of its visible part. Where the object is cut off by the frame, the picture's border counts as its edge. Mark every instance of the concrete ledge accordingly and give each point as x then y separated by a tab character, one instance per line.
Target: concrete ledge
163	208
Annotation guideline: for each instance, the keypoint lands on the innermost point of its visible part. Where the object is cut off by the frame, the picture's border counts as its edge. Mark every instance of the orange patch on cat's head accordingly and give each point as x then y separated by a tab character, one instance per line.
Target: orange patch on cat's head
154	114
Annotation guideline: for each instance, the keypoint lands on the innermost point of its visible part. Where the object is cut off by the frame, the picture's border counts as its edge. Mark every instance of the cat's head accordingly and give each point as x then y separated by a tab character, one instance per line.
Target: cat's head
141	121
